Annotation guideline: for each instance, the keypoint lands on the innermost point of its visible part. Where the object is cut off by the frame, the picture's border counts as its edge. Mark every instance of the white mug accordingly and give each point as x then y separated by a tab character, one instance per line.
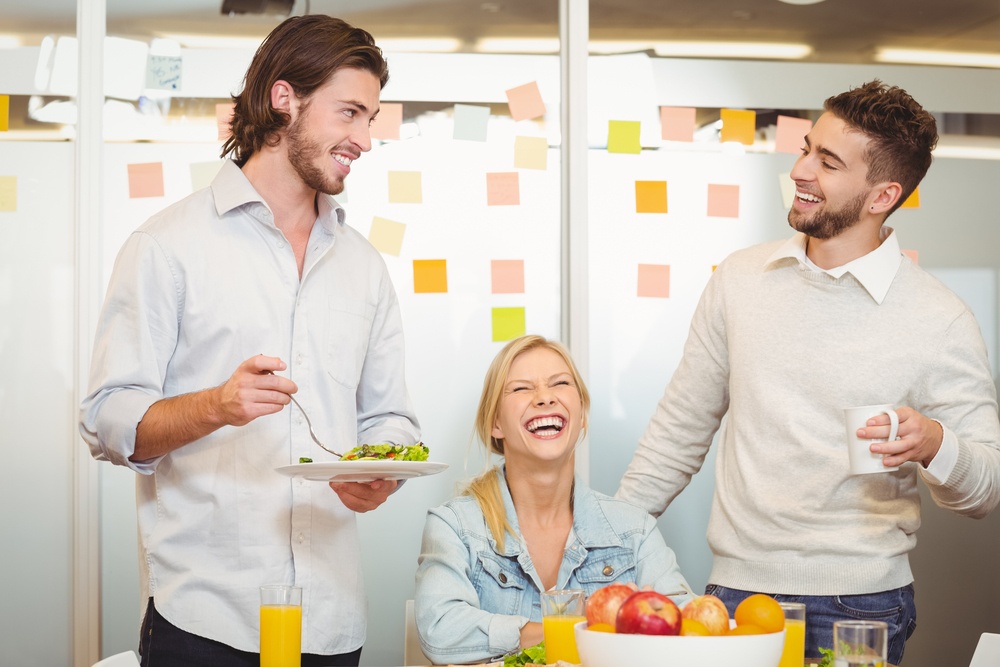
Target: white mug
863	461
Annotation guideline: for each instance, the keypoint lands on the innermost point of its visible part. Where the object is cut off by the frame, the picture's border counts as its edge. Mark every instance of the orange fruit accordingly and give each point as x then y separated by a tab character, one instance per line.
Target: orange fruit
761	610
690	627
601	627
746	629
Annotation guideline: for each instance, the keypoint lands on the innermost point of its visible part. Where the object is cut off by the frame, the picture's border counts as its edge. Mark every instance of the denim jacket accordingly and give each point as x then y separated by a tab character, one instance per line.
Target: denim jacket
474	596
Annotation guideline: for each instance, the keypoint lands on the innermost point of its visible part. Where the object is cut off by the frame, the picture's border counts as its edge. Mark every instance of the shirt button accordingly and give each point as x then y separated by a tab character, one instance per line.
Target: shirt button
302	538
281	244
608	570
503	578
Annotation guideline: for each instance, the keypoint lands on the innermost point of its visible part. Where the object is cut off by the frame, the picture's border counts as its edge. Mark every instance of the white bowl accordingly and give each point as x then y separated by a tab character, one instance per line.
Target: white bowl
607	649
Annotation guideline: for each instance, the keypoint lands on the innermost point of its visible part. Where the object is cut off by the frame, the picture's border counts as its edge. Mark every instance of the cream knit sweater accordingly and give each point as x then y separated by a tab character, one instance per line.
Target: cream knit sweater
780	350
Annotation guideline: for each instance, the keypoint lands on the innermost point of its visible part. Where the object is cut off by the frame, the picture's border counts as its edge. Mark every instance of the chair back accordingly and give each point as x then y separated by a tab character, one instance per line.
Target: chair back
413	655
987	651
126	659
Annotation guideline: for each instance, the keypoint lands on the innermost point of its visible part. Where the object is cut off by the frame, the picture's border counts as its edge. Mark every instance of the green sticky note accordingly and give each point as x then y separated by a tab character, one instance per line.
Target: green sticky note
508	323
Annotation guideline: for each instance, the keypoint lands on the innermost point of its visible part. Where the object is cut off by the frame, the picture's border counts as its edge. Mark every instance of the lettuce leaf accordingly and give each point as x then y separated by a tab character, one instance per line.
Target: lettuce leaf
531	655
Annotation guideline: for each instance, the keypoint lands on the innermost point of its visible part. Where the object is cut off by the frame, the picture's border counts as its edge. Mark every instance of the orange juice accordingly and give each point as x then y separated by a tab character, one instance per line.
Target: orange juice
794	652
560	643
280	635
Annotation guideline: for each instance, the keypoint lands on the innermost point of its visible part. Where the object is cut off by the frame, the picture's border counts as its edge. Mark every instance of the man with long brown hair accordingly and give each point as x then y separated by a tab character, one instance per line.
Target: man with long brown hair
260	274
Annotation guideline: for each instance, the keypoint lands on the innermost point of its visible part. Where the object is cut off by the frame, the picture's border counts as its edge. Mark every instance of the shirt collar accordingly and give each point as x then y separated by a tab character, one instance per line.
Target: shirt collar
875	271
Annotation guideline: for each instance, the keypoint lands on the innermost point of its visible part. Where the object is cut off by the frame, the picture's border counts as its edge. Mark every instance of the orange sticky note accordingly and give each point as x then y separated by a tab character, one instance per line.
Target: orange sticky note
386	235
405	187
388	121
623	136
4	113
507	276
525	102
738	125
223	116
8	194
677	123
430	276
654	280
650	196
503	189
790	134
508	323
531	152
913	255
723	201
145	180
913	201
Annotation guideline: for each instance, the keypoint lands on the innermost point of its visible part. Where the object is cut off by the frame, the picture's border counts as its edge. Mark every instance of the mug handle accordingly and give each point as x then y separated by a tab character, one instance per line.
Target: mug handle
893	424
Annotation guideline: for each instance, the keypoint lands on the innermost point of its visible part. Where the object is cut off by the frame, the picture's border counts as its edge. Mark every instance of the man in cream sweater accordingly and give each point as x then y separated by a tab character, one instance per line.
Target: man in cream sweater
785	337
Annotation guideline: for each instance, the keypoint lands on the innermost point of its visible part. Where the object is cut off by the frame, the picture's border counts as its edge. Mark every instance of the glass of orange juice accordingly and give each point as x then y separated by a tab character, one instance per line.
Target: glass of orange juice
280	626
561	610
794	653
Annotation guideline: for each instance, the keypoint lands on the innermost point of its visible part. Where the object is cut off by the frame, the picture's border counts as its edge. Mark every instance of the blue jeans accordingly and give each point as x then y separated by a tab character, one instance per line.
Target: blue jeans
163	644
895	607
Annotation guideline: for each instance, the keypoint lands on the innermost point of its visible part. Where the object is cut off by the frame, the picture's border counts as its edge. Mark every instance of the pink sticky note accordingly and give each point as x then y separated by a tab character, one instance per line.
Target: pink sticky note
913	255
525	102
790	134
507	275
677	123
145	180
502	189
387	122
223	115
654	280
723	201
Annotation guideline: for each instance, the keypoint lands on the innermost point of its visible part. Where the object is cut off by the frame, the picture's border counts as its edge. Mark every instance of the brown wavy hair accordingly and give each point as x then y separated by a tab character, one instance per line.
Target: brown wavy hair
305	51
902	133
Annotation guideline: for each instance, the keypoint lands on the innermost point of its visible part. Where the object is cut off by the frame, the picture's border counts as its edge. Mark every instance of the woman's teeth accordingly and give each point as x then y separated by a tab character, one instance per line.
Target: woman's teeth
555	424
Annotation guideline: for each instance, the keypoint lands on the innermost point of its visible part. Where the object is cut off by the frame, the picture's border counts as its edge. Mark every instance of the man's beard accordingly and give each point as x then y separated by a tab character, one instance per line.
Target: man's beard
827	224
303	153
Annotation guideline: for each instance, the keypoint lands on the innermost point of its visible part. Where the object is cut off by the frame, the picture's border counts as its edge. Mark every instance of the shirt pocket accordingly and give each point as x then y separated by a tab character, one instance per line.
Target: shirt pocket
348	330
604	566
500	584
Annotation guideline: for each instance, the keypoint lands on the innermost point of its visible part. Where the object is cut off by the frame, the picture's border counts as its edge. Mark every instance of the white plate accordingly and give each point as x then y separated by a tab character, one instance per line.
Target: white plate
361	471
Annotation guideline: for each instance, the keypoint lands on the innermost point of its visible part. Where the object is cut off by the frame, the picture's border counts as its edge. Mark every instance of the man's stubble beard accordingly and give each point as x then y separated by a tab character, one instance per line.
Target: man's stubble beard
829	223
303	153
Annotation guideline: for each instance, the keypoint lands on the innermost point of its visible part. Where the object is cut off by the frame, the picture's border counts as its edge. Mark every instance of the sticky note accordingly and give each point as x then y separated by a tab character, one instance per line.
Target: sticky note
507	276
430	276
623	136
145	180
650	196
525	102
790	134
677	123
913	201
388	121
4	113
787	186
163	72
531	152
913	255
386	235
654	280
502	189
723	201
508	323
738	125
223	116
470	122
8	194
203	173
404	187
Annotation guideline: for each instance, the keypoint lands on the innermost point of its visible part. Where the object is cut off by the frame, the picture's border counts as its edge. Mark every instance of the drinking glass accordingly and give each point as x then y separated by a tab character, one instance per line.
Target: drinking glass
561	610
794	653
280	626
860	643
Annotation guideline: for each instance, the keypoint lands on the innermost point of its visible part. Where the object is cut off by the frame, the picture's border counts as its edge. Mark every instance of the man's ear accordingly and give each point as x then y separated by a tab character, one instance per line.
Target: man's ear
282	96
886	196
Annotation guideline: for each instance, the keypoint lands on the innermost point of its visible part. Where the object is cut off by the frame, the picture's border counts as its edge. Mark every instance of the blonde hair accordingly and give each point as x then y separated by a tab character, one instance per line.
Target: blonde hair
486	487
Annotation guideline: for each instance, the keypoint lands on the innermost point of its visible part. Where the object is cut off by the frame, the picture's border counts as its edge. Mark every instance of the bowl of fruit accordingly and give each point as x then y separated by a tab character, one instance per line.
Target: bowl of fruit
629	628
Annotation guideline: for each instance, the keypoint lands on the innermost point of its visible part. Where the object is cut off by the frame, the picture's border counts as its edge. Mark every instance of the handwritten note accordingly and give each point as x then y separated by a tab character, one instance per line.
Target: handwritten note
723	201
145	180
623	136
531	152
525	102
470	122
508	323
503	189
654	280
4	113
163	72
386	235
507	276
388	121
738	125
913	201
405	187
8	194
650	196
677	123
430	276
790	134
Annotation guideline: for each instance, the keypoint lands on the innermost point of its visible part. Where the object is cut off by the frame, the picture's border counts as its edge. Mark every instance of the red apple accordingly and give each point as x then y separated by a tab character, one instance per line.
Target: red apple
710	611
603	604
648	613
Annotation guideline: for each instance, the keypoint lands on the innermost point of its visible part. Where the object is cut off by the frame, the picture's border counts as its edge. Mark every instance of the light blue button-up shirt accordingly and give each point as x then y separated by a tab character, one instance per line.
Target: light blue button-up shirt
202	286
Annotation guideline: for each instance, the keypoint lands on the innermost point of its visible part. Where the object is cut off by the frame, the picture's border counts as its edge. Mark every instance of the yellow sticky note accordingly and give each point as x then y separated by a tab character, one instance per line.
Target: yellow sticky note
386	235
4	113
145	180
723	201
388	121
623	136
787	186
650	196
507	276
654	280
531	152
677	123
508	323
203	173
503	189
525	102
738	125
8	194
223	116
430	276
404	187
913	201
790	134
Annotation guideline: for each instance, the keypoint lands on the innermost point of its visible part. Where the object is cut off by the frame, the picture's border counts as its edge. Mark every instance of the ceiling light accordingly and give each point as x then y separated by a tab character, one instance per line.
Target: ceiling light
766	50
801	2
209	41
924	57
518	45
420	45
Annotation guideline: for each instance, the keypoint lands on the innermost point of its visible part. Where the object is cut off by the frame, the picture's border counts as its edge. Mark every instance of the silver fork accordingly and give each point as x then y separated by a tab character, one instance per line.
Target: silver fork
312	433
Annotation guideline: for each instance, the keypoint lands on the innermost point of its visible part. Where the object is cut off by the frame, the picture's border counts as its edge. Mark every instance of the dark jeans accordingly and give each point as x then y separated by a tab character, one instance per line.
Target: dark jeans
164	645
895	607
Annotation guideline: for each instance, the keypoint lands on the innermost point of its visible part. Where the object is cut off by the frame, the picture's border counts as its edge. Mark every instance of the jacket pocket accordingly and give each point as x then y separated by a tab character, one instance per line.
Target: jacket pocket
604	566
500	584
